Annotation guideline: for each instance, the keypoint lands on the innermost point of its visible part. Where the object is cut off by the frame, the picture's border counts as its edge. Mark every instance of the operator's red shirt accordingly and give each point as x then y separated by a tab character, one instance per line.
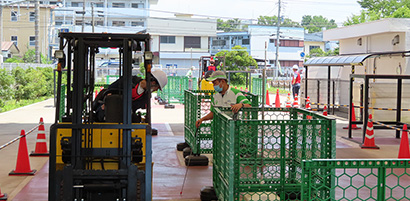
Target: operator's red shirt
211	68
296	80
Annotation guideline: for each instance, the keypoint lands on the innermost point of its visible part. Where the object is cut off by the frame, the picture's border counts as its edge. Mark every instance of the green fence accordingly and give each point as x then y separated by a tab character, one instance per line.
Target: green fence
197	105
257	87
259	155
356	179
174	90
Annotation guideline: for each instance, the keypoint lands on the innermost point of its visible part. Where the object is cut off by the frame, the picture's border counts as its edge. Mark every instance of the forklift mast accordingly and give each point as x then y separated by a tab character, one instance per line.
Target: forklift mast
91	160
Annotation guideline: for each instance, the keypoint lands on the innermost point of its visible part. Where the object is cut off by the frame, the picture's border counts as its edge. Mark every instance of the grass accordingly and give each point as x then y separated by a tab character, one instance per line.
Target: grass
14	104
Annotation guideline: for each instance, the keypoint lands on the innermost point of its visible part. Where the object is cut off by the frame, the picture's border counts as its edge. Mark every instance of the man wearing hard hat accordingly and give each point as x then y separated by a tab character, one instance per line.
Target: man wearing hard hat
139	92
295	81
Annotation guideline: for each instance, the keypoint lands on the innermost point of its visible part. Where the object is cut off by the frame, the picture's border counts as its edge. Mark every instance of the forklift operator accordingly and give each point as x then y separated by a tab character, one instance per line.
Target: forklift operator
139	87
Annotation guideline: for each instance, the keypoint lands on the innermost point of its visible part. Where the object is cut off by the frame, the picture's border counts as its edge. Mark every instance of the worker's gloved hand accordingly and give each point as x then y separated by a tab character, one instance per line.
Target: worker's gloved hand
236	107
198	123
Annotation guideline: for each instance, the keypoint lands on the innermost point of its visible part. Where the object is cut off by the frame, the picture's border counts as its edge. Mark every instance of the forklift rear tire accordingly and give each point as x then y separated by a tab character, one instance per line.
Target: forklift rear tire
154	131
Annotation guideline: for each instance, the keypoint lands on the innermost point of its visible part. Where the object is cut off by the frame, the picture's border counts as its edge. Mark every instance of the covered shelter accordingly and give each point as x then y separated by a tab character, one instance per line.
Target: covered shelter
330	62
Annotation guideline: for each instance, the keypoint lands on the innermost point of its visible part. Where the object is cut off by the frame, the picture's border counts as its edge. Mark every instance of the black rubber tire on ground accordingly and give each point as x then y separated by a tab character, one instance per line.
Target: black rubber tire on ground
181	146
186	151
196	160
169	106
208	194
154	131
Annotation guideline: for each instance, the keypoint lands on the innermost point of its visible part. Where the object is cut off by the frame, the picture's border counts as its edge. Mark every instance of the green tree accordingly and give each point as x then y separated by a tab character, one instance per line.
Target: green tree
28	57
230	25
237	59
6	83
273	21
378	9
30	83
315	23
318	52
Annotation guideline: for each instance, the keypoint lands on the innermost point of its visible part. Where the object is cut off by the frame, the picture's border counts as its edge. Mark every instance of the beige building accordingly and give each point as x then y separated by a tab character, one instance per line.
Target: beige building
18	26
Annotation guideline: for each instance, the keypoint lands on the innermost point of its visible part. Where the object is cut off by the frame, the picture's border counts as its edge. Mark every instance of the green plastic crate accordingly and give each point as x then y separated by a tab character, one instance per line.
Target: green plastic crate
197	105
356	179
259	155
174	90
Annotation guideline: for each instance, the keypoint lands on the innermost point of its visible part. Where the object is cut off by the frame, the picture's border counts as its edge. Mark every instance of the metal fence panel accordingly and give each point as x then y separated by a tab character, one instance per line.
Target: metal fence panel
259	155
257	87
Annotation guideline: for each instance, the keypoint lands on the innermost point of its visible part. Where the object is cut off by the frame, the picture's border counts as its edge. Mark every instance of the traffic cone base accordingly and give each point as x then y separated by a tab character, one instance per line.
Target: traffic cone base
296	102
23	161
404	151
369	142
14	173
41	143
288	104
3	196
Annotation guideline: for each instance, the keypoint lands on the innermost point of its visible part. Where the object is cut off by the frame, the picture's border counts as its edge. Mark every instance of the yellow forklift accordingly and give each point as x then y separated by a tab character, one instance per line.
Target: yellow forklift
104	161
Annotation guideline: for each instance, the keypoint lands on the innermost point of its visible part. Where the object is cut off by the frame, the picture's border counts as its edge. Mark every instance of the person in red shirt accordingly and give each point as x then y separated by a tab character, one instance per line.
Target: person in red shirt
295	81
212	66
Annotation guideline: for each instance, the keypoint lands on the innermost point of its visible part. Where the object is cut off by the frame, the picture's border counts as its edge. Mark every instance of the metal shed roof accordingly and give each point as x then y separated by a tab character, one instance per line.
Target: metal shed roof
348	59
337	60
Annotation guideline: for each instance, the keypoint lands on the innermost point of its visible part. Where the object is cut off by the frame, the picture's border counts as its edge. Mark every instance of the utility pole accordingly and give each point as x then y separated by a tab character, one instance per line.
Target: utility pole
92	16
277	43
36	30
82	24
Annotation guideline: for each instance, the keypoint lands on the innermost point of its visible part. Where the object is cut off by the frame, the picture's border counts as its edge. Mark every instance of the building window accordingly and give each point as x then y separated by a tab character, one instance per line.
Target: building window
99	5
118	23
32	41
167	39
291	43
245	41
32	16
134	24
14	16
14	39
192	42
76	4
118	5
137	5
99	23
78	22
53	2
311	47
58	22
218	42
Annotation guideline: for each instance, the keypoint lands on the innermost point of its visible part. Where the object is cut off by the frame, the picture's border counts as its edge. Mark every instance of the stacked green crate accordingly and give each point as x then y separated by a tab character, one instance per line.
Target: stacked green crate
197	105
257	87
174	90
356	179
259	155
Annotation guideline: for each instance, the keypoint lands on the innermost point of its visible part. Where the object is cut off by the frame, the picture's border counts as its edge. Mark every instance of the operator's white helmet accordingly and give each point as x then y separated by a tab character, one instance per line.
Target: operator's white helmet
161	78
295	67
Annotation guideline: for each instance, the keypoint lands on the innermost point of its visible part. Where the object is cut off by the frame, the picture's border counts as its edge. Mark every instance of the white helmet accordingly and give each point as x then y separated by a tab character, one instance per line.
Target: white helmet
161	78
295	67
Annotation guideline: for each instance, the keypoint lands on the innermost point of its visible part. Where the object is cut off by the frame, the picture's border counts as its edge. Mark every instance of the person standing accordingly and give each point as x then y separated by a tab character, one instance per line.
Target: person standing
295	81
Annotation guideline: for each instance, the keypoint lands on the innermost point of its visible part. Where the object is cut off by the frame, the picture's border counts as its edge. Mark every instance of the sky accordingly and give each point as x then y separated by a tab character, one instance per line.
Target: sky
339	10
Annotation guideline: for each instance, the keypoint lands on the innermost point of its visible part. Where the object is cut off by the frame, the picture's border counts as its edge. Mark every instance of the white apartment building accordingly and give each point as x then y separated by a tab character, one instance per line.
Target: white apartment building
179	42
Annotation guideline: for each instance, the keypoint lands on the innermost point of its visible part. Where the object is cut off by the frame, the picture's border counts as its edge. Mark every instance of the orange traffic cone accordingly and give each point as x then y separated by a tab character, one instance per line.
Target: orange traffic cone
369	142
288	102
246	89
267	98
41	142
307	107
404	151
241	89
96	93
325	111
277	100
296	102
23	162
354	126
3	196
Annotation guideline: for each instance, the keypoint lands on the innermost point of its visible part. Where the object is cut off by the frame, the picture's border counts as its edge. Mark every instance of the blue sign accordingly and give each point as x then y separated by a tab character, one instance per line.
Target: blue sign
302	54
